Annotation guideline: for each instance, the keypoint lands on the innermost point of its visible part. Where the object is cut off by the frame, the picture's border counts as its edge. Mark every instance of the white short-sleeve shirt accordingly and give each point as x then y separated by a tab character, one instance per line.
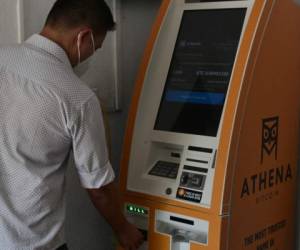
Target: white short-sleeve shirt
46	113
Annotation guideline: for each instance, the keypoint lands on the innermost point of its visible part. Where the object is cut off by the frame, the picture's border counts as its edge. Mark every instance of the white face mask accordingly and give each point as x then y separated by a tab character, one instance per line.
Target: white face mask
81	69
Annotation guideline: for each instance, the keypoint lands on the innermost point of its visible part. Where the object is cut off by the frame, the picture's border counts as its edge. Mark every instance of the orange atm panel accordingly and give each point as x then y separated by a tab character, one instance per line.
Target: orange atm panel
211	148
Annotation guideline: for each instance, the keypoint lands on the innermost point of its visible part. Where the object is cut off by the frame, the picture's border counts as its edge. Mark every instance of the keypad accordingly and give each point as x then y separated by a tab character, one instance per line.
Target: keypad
165	169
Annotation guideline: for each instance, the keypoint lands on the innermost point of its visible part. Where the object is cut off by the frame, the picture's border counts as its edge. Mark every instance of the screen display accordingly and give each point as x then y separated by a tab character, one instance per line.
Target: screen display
200	71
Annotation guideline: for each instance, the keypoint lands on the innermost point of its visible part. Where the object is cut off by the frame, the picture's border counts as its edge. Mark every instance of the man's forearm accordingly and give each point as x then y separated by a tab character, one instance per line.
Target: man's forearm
107	201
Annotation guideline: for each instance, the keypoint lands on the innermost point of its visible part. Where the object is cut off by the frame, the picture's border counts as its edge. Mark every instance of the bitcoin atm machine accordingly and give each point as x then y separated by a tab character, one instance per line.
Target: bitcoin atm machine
211	148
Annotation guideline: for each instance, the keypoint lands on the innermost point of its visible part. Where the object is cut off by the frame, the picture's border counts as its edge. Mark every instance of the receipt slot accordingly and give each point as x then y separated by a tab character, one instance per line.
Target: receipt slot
211	147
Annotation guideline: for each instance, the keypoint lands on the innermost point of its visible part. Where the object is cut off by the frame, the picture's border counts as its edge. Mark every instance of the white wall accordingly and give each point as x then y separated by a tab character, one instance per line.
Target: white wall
11	21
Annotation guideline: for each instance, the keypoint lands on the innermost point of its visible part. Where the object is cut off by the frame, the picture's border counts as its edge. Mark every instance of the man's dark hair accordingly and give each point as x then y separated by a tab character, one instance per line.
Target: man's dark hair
71	13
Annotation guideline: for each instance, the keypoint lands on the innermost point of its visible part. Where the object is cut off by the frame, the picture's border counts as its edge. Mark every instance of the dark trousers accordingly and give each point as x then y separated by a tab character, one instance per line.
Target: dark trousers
63	247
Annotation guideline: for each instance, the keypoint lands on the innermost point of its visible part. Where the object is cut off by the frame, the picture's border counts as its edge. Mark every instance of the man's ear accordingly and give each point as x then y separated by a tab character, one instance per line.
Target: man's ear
84	35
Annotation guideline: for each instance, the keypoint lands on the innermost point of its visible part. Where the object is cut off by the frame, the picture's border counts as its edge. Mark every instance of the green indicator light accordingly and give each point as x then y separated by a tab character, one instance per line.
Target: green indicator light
137	210
130	208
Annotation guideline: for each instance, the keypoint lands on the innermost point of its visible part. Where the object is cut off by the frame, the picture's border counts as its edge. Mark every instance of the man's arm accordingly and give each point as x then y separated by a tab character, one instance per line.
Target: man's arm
107	201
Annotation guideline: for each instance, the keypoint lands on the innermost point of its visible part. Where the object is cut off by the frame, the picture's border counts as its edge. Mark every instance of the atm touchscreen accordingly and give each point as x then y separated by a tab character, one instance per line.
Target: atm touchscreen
200	71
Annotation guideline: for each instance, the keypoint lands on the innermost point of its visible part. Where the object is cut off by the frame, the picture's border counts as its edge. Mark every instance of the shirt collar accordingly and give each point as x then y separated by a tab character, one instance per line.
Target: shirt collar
49	46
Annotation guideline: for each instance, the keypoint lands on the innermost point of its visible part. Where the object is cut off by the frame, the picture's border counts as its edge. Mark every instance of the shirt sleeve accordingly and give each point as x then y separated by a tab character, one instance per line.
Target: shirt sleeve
90	148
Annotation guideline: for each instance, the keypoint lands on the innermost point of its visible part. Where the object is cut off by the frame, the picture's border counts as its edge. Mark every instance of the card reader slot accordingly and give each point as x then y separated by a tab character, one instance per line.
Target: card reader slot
199	149
175	155
197	161
196	169
181	220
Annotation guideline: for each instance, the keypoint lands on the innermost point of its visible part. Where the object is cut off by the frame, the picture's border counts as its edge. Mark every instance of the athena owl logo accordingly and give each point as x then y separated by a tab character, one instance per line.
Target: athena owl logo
270	130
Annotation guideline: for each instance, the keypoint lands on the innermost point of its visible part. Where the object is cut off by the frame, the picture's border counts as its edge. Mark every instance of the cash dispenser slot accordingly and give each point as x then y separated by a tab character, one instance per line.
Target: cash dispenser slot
181	220
181	229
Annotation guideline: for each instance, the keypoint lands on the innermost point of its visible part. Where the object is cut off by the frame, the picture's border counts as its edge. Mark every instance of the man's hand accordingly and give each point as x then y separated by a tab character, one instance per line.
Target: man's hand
130	238
106	200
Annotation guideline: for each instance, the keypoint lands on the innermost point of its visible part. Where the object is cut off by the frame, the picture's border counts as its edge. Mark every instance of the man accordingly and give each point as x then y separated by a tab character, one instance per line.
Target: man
45	112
